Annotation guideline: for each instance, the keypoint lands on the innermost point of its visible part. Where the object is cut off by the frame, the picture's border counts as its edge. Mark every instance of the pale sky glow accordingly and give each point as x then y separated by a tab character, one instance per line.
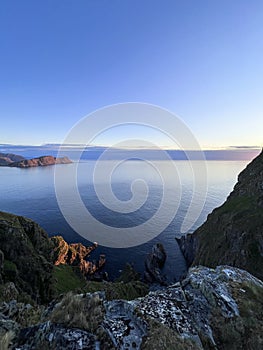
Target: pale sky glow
202	60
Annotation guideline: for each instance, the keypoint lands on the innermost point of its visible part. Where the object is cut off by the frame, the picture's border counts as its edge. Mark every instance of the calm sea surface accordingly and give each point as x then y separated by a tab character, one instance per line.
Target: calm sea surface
31	193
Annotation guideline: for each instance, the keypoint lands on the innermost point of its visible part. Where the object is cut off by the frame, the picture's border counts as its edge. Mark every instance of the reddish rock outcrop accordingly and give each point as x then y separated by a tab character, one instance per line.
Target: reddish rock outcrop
76	254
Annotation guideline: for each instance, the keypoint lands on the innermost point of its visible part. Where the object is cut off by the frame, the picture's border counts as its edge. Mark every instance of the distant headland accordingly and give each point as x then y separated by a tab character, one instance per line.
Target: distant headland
14	160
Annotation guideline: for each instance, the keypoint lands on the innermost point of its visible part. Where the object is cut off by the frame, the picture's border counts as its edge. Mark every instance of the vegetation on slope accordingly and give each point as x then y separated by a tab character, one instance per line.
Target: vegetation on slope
233	233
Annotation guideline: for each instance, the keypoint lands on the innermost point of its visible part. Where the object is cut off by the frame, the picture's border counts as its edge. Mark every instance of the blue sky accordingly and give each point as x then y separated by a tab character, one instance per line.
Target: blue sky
60	60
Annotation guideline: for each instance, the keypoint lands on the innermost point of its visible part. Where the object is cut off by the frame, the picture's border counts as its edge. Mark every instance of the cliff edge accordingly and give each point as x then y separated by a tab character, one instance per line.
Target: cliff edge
233	233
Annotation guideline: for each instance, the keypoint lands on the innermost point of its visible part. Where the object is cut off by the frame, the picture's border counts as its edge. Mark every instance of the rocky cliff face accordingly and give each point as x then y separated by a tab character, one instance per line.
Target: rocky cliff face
41	161
30	260
210	309
153	264
76	254
26	256
233	233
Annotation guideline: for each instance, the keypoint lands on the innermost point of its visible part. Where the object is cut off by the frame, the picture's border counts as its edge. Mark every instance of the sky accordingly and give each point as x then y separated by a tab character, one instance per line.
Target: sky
202	60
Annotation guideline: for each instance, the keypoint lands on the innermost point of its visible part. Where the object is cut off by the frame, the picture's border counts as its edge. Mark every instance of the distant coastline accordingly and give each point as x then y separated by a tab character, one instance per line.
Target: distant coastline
17	161
95	152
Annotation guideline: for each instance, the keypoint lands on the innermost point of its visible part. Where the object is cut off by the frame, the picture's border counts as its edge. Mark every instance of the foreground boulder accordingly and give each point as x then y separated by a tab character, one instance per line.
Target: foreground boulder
233	233
218	308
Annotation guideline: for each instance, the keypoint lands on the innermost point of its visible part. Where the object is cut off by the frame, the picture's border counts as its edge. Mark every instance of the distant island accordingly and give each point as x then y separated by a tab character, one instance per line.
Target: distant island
14	160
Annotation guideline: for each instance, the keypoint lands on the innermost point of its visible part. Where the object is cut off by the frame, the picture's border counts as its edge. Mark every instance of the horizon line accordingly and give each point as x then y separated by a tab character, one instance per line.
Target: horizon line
163	147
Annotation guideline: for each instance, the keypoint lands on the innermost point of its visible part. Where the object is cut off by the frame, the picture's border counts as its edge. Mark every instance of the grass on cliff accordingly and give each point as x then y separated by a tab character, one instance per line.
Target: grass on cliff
243	217
11	218
162	337
85	312
66	279
79	311
9	270
118	290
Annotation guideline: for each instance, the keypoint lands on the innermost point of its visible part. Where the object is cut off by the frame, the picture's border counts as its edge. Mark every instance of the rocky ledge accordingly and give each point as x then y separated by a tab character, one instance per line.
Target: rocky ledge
210	309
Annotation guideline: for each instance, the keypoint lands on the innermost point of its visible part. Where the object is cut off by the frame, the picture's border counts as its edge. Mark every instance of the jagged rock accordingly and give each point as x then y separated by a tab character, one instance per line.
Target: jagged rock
232	233
188	246
40	161
28	256
153	264
125	328
52	336
211	308
76	254
218	308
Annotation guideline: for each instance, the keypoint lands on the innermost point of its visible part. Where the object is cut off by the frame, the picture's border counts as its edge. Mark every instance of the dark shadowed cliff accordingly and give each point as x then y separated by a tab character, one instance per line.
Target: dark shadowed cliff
27	256
233	233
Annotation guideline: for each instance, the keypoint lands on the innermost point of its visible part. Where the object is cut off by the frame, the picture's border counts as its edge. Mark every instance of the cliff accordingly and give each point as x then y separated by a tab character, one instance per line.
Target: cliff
153	263
233	233
27	256
76	254
30	261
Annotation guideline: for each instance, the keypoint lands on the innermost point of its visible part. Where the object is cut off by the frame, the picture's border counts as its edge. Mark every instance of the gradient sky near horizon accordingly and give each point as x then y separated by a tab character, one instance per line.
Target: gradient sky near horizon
202	60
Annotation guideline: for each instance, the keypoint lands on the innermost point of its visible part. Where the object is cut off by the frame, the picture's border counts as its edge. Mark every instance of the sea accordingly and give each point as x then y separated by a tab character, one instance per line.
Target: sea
31	193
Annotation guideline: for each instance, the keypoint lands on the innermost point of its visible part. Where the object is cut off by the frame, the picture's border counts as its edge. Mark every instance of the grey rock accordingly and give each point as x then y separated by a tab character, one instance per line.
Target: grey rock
209	309
52	336
153	264
125	328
